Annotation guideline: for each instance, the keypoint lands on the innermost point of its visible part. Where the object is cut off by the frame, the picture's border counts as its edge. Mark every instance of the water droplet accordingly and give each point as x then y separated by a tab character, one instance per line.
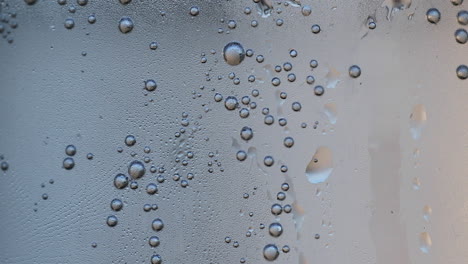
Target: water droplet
116	205
112	220
270	252
233	53
69	23
125	25
320	167
354	71
425	242
462	72
461	36
275	229
154	241
157	224
231	103
120	181
68	163
136	169
433	15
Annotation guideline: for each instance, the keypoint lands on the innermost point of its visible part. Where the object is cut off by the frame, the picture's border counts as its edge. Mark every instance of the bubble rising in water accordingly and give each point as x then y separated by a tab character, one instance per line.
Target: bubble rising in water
354	71
306	10
68	163
150	85
456	2
70	150
270	252
112	221
116	205
157	224
233	53
231	103
246	133
194	11
120	181
130	140
156	259
4	166
125	25
462	72
461	36
462	17
69	23
154	241
275	229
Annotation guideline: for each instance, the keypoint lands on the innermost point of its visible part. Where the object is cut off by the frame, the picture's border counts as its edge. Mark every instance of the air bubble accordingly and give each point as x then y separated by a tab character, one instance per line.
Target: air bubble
354	71
69	23
230	103
275	229
269	120
287	208
112	220
246	133
120	181
315	29
116	205
68	163
462	72
70	150
456	2
275	81
270	252
151	189
306	10
244	113
276	209
154	241
194	11
280	196
291	77
130	140
136	169
241	155
157	224
293	53
150	85
156	259
30	2
232	24
268	161
319	90
125	25
92	19
461	36
82	2
433	15
4	165
285	249
233	53
153	45
285	186
288	142
462	17
260	58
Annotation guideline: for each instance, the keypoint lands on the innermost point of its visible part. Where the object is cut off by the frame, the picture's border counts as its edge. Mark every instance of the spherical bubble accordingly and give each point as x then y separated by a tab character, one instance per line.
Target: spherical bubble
227	240
45	196
112	220
30	2
287	66
461	36
462	72
283	95
133	185
433	15
69	23
310	79
293	53
136	169
280	196
270	252
156	259
275	81
372	25
116	205
456	2
218	97
306	10
287	208
151	188
194	11
279	22
68	163
291	77
319	90
230	103
232	24
125	2
313	63
285	186
315	29
246	133
296	106
153	45
62	2
4	166
275	229
146	207
284	168
260	58
282	121
268	161
82	2
278	68
92	19
70	150
276	209
288	142
233	53
462	17
241	155
125	25
150	85
244	113
120	181
154	241
286	249
269	119
354	71
157	224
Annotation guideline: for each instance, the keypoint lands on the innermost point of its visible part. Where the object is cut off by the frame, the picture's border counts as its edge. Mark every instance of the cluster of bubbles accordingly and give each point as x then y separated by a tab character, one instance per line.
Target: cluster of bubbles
461	35
69	162
8	21
275	229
